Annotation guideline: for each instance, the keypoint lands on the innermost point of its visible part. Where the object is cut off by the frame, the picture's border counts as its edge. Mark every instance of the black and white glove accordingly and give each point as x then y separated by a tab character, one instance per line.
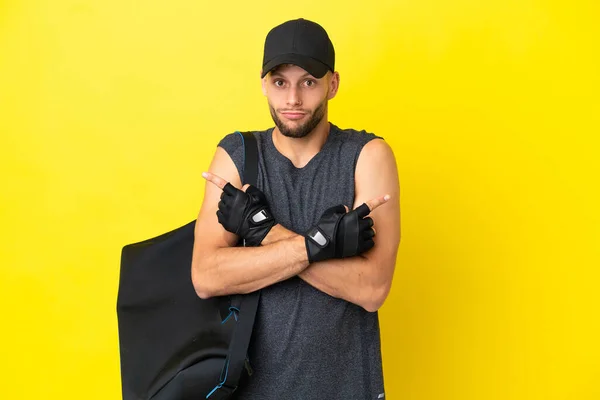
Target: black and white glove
339	234
247	214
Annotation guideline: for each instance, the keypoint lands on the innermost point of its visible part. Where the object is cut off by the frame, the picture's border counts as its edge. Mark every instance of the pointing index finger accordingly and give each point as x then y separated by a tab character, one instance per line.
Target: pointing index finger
374	203
215	180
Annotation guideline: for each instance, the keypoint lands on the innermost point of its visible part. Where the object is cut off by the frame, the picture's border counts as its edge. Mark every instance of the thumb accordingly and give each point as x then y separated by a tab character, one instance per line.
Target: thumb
246	186
346	207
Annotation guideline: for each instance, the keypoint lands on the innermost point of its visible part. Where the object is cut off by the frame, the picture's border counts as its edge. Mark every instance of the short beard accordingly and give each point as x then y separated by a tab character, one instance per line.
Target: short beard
302	130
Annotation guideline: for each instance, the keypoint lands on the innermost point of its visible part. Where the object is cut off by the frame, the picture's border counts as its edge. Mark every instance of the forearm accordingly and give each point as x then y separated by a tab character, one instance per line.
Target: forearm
233	270
354	279
277	233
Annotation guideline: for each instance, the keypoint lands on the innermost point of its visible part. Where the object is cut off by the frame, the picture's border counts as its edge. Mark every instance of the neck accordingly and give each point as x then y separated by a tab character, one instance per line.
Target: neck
301	150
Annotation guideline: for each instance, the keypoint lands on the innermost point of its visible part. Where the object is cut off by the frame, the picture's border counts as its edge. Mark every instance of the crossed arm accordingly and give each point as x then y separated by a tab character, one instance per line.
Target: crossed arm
220	269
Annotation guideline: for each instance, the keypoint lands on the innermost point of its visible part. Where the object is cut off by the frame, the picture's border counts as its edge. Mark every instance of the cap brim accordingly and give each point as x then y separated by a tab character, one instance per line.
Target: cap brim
310	65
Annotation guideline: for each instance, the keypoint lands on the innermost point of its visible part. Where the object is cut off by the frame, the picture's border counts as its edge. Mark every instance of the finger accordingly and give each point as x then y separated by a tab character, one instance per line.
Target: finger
365	223
220	217
363	210
252	190
346	208
256	194
229	189
367	245
368	234
227	202
215	180
373	204
245	187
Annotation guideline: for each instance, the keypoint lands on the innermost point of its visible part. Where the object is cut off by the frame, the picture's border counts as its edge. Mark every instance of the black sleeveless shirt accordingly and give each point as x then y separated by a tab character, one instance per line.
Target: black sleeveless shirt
306	344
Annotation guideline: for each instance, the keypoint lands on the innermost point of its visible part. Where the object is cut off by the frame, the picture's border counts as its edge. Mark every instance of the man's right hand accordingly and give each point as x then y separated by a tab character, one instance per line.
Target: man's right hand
340	234
243	212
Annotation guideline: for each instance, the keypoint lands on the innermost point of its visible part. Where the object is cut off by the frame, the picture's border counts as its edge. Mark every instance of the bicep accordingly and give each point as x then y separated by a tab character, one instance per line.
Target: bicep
376	174
209	233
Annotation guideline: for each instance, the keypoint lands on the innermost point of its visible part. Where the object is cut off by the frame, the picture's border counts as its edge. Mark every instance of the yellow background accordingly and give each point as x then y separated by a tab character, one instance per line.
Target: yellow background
110	110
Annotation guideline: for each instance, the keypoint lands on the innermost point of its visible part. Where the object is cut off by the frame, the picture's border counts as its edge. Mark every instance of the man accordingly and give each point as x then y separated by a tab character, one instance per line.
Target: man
322	268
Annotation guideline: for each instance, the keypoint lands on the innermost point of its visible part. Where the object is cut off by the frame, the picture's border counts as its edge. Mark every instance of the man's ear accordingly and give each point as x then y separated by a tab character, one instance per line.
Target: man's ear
263	83
334	85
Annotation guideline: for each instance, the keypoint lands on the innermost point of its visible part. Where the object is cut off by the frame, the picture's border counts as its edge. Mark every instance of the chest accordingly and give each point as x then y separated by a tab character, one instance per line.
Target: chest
299	196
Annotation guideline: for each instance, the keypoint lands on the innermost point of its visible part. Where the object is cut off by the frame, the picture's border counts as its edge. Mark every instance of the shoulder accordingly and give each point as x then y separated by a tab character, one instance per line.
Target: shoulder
360	137
373	151
378	149
234	142
376	159
366	145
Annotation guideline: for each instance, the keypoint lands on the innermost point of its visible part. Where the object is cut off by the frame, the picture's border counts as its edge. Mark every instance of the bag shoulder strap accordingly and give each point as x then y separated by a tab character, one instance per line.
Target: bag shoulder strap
250	159
244	306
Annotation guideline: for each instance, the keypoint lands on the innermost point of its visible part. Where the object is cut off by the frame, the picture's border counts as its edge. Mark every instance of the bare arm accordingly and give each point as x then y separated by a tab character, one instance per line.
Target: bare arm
366	279
220	269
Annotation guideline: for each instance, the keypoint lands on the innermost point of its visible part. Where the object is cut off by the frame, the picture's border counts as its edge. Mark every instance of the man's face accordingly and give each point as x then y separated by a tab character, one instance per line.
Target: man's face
297	100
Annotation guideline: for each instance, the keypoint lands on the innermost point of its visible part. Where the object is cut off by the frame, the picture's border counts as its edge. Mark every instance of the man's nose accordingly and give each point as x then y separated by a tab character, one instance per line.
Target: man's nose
293	97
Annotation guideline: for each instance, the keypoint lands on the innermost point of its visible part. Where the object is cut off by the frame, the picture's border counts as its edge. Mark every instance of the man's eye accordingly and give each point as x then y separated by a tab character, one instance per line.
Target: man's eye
278	83
310	82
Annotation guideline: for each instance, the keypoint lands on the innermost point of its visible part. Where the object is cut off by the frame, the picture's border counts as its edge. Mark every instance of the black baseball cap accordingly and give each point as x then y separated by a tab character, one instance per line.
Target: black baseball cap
300	42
